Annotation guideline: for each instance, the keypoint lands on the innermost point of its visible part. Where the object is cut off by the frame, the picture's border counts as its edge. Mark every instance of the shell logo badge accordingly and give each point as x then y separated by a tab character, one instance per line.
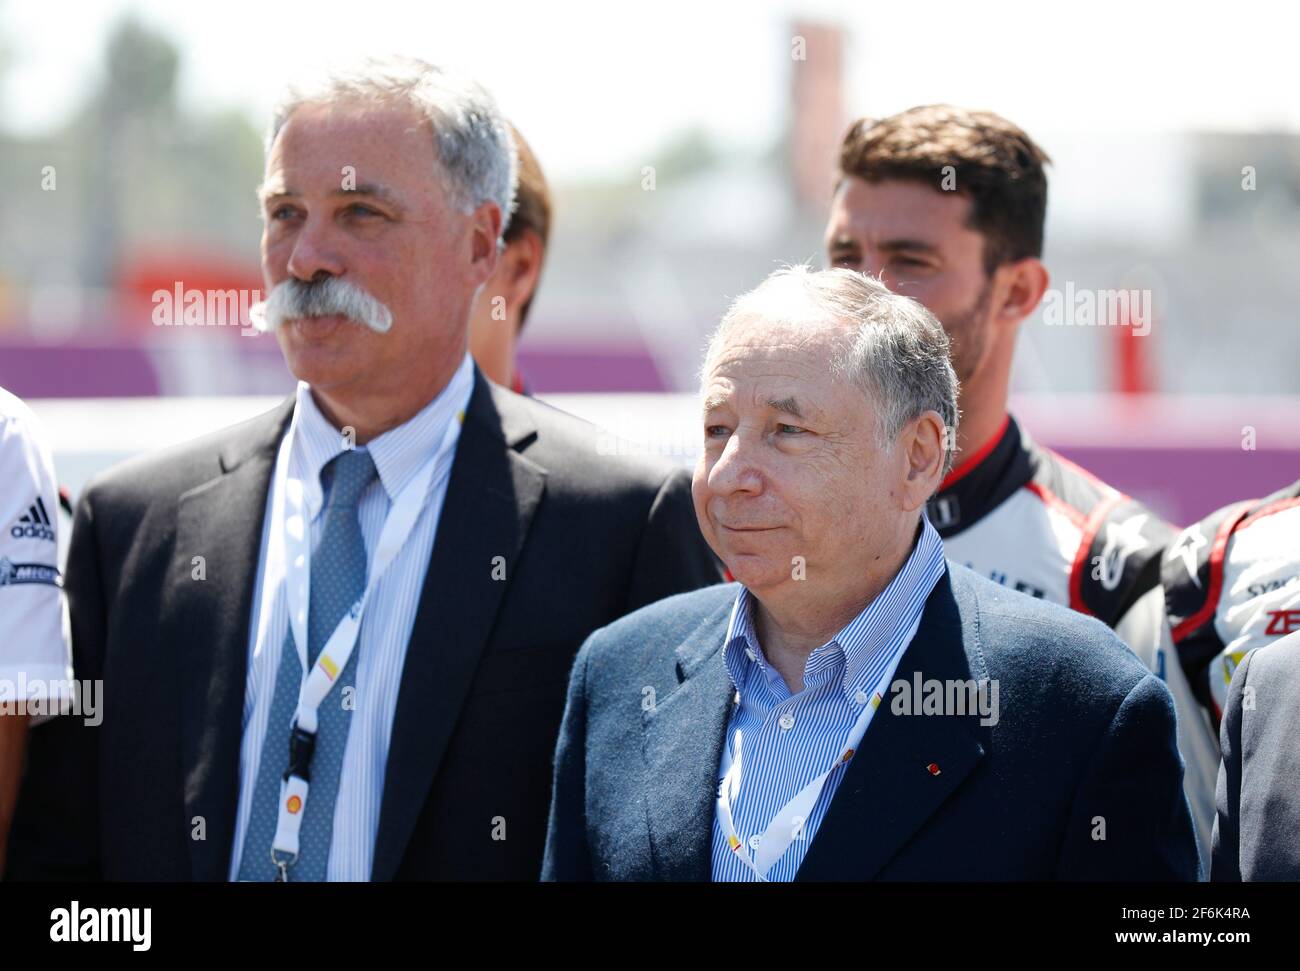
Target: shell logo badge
294	805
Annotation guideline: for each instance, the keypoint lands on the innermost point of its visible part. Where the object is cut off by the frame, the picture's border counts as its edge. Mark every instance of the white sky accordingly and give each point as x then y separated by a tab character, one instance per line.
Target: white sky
595	86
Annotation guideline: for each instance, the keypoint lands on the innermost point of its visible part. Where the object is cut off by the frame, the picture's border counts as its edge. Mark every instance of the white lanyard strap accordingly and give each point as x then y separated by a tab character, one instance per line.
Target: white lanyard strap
290	527
791	820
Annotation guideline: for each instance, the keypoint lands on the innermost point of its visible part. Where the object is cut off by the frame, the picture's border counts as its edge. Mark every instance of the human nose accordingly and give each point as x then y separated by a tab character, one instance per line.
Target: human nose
736	468
314	253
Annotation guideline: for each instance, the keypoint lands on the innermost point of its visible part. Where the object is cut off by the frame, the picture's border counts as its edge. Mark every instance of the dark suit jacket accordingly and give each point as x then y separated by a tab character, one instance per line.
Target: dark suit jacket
587	538
1084	732
1257	827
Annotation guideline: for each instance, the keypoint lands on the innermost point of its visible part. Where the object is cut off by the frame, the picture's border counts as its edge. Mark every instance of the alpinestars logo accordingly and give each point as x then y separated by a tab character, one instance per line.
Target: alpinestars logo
1122	539
1187	547
34	524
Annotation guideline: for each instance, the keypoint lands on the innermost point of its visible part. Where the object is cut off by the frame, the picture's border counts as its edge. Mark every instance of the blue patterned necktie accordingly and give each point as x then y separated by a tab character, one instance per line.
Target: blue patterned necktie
338	578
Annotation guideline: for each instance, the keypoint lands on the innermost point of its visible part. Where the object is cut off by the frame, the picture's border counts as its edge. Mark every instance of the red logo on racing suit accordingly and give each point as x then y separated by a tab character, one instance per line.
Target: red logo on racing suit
1283	622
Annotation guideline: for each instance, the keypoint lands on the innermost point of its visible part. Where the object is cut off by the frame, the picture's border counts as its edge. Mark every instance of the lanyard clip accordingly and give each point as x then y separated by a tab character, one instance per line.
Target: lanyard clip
282	866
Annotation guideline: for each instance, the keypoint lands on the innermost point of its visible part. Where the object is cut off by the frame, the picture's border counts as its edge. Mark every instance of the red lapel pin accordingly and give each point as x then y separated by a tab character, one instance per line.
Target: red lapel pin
933	768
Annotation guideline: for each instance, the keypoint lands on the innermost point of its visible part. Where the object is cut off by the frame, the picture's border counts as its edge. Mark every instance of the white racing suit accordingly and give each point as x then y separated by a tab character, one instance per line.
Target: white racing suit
1232	584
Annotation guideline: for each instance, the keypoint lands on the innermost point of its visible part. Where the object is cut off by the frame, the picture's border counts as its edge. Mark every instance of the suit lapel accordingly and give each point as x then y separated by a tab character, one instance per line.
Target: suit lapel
208	619
889	789
683	740
491	498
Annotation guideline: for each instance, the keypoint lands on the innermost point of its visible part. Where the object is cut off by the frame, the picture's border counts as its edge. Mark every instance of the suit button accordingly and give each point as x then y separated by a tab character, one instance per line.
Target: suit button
786	722
755	842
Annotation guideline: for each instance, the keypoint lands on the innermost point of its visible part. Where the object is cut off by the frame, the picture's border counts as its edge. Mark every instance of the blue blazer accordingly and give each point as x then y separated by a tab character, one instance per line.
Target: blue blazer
1080	779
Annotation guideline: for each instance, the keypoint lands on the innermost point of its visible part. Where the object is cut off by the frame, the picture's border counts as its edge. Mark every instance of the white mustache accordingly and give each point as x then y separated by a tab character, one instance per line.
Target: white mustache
293	299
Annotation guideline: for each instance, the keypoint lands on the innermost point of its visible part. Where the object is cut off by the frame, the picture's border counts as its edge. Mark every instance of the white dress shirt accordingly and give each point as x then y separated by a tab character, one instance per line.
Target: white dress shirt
385	629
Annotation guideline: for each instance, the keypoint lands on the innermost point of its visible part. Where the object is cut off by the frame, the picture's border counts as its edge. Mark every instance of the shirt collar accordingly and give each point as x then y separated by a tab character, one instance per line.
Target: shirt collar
741	653
398	453
868	642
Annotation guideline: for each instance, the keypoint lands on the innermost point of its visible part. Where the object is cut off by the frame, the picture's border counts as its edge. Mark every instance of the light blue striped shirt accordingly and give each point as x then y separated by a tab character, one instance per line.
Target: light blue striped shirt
385	629
791	739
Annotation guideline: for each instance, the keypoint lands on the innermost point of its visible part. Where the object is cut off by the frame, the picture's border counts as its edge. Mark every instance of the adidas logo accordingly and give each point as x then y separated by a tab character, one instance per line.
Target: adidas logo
35	524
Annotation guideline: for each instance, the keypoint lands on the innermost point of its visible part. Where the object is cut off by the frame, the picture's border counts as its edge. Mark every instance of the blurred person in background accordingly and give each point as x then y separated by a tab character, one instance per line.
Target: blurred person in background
35	661
335	639
947	206
502	306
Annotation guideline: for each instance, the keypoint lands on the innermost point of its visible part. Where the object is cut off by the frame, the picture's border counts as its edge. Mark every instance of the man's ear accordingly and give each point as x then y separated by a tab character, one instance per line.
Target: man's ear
1021	286
923	441
484	231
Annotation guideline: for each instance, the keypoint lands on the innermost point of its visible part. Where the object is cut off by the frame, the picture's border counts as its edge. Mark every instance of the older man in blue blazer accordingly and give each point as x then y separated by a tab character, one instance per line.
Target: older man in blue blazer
854	707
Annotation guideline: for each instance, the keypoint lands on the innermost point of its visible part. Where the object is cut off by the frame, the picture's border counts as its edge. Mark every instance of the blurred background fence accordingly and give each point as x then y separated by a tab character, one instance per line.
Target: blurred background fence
690	147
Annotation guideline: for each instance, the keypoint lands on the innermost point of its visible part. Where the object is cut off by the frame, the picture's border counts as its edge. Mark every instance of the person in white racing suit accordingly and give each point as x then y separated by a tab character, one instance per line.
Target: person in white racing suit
35	657
1232	584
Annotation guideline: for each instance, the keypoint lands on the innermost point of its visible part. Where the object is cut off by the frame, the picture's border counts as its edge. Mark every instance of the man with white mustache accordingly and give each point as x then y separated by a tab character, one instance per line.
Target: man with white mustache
334	640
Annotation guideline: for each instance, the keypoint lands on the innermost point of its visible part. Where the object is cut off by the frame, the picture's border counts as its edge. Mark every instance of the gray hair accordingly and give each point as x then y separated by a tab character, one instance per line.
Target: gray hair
896	351
476	152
